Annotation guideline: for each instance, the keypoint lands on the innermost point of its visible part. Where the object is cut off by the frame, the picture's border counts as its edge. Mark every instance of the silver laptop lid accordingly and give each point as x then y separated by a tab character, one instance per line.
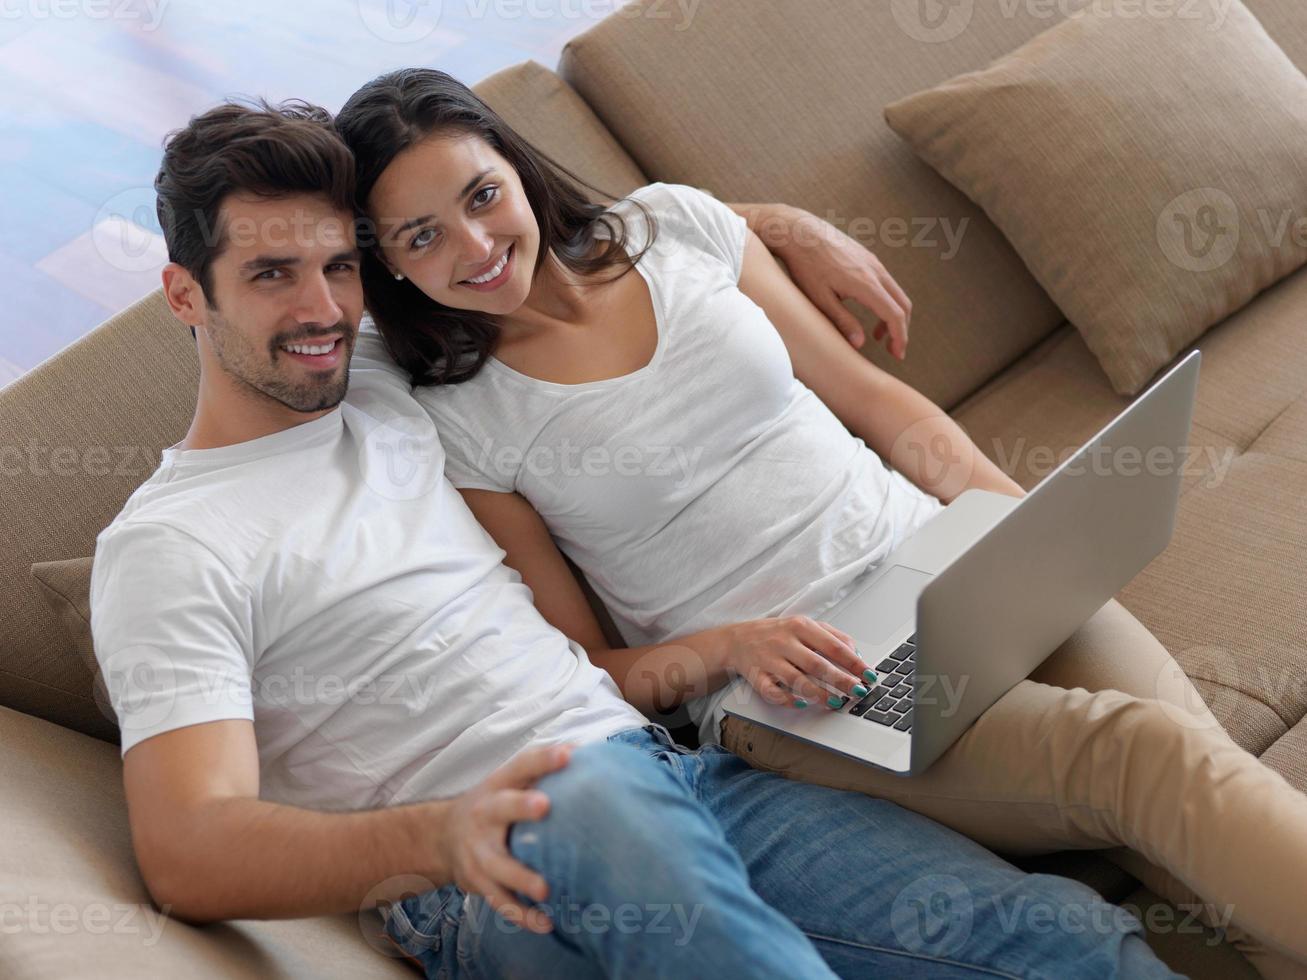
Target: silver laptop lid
996	612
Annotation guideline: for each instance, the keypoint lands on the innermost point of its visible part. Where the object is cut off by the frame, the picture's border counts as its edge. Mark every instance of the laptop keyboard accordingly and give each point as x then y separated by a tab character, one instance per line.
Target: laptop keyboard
889	703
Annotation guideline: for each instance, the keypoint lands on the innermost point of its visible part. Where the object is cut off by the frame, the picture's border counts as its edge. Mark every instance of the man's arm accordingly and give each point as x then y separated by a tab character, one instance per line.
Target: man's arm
209	849
898	423
830	267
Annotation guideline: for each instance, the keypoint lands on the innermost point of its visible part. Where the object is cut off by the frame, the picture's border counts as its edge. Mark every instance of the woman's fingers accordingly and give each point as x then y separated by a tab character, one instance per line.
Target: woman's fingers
840	651
772	691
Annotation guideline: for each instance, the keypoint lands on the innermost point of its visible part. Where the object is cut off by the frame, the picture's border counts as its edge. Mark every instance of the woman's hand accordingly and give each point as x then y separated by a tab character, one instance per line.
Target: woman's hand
784	659
831	267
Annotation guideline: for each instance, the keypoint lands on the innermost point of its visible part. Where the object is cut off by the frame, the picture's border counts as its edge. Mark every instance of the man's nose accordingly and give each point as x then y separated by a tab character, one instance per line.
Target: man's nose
317	304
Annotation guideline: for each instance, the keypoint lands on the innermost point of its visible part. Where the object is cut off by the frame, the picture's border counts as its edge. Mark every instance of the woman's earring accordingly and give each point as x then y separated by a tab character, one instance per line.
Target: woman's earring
399	277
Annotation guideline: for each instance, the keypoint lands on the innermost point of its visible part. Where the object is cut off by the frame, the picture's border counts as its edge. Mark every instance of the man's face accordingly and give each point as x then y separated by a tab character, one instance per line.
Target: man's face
285	299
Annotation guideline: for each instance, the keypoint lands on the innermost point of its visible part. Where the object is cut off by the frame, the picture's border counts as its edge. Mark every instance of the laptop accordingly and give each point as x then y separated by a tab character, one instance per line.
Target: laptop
978	596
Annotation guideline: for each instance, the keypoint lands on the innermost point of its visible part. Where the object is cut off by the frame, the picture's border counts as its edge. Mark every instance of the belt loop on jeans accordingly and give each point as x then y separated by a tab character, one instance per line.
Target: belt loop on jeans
663	734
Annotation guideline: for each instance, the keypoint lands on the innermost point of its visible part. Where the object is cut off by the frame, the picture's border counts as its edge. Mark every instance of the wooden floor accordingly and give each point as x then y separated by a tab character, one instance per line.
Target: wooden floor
89	88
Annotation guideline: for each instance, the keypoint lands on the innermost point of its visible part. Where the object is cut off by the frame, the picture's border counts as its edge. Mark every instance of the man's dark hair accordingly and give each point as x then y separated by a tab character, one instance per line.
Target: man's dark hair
244	148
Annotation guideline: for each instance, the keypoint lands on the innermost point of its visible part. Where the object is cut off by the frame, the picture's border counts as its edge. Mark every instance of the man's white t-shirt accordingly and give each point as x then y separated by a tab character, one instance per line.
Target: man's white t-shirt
327	583
710	486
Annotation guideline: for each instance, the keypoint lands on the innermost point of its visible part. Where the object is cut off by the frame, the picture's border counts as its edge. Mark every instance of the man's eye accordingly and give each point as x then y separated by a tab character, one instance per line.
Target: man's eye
267	275
423	238
341	267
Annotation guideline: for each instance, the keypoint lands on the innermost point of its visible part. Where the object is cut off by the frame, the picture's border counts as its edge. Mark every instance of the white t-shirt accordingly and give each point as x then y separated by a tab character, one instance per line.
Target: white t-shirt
708	487
327	583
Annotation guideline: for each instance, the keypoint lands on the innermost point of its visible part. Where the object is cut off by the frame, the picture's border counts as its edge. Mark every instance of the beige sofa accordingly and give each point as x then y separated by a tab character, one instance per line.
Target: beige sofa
754	100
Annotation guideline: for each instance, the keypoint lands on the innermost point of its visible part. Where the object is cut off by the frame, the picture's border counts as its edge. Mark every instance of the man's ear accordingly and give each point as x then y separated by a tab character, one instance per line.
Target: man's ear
185	296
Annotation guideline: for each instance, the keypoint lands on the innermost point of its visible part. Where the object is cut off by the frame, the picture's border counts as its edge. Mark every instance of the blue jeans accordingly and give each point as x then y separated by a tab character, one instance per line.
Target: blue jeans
667	862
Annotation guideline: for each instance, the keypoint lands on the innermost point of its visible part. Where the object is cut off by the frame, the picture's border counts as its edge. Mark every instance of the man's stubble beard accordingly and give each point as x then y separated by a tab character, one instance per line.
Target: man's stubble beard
255	370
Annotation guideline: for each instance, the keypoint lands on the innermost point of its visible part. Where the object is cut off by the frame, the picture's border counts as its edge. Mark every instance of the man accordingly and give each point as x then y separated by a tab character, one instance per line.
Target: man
332	694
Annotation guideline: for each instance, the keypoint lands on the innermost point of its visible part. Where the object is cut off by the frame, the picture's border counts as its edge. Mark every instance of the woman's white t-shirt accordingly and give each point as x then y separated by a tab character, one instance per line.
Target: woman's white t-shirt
708	487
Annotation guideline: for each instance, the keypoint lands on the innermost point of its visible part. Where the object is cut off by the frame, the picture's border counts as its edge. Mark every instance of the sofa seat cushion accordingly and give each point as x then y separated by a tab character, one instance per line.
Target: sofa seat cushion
71	895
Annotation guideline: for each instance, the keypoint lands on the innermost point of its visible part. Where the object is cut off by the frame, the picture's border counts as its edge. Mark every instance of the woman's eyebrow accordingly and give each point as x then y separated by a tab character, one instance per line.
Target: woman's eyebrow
462	195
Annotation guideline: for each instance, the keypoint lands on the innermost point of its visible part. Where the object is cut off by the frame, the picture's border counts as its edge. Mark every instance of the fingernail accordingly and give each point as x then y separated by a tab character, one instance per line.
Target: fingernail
834	702
859	691
800	703
859	339
869	676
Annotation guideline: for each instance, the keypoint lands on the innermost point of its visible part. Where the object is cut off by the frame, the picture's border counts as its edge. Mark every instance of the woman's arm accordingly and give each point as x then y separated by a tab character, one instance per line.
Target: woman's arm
657	679
898	423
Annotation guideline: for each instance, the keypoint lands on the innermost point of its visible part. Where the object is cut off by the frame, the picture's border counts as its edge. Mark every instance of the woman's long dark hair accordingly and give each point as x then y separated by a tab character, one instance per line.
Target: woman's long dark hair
437	344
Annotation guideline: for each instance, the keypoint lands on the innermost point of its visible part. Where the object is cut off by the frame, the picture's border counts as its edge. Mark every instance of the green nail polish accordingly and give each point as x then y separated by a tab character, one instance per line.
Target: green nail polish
859	691
869	675
834	702
800	703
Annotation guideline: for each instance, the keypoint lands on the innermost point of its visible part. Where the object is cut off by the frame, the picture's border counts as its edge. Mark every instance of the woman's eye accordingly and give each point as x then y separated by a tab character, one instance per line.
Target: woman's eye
488	187
423	238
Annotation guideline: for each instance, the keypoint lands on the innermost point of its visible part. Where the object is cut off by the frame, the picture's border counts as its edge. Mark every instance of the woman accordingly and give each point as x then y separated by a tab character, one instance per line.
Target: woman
683	434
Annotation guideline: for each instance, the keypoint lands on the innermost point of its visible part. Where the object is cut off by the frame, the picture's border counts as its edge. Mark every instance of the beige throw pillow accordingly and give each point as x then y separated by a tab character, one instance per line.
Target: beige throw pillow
1151	170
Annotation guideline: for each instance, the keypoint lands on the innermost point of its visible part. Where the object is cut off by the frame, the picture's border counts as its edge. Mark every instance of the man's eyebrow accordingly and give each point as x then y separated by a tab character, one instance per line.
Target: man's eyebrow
462	195
264	262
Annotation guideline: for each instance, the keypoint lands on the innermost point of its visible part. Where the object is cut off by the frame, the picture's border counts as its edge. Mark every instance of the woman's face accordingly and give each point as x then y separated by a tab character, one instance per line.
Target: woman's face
449	209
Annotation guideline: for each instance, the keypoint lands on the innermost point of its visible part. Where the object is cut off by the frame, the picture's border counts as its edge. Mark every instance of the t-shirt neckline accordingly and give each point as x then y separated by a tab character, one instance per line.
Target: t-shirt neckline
296	437
655	297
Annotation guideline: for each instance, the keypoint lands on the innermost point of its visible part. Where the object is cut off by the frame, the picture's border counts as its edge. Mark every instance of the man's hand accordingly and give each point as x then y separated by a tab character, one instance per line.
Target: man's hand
830	267
475	835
